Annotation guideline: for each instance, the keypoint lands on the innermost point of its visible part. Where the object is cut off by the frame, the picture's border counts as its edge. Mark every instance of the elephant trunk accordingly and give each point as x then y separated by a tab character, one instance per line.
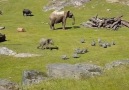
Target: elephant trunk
73	20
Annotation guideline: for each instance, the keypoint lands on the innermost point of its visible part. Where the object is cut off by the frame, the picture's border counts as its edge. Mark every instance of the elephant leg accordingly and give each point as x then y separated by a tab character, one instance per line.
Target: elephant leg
64	23
53	28
52	25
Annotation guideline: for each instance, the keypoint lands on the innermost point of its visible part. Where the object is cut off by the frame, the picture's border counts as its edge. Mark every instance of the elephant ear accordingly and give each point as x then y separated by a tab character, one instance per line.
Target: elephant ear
68	12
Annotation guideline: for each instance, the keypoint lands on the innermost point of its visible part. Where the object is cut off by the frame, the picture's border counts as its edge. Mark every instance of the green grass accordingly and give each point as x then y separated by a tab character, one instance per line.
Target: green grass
67	40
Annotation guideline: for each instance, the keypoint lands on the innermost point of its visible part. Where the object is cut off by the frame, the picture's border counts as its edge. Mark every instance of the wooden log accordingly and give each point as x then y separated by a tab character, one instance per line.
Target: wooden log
125	23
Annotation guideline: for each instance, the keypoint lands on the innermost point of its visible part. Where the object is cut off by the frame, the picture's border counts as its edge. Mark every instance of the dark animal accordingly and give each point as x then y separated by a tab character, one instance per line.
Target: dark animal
27	12
60	17
2	37
44	43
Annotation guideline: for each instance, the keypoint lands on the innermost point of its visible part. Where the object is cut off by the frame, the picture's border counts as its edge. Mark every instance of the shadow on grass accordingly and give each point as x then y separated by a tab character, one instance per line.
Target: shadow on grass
66	28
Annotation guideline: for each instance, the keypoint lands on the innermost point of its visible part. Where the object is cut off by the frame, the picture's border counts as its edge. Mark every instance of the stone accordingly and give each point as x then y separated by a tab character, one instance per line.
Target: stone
6	51
116	64
1	28
32	77
8	85
77	71
26	55
60	4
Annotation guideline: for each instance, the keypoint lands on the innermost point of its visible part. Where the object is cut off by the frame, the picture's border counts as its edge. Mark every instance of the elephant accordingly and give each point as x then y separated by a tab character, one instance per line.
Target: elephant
44	43
60	16
27	12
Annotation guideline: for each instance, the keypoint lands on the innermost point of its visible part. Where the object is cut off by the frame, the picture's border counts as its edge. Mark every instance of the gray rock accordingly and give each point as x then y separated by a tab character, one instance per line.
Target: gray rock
64	57
60	4
23	55
75	55
93	43
32	77
116	64
76	71
1	28
8	85
6	51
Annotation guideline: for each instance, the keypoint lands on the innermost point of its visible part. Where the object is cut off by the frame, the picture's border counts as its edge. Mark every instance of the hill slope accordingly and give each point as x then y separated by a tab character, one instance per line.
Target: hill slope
67	41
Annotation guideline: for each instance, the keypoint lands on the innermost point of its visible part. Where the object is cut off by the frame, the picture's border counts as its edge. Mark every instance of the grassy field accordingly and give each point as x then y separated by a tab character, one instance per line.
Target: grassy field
67	40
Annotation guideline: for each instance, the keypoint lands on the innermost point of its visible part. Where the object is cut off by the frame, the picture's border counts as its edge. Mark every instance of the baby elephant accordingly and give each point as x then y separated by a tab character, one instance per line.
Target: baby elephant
44	43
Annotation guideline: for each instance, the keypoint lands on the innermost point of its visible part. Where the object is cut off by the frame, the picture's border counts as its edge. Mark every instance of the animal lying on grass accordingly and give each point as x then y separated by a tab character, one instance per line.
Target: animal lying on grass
45	43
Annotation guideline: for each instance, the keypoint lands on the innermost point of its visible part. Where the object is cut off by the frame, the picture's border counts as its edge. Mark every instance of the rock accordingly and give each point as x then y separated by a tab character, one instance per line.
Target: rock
76	71
64	57
112	1
82	40
75	55
1	28
93	43
6	51
19	29
116	64
8	85
60	4
26	55
32	77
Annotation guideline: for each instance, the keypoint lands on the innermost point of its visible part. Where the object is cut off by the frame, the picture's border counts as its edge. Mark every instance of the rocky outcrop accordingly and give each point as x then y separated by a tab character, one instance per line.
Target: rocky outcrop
60	4
116	64
6	51
32	77
126	2
8	85
76	71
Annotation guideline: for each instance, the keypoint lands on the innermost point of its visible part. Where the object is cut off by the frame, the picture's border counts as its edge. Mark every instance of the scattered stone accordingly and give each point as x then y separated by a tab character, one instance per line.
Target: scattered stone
80	51
1	28
113	43
60	4
116	64
104	45
75	55
32	77
6	51
26	55
19	29
64	57
93	43
82	40
8	85
77	71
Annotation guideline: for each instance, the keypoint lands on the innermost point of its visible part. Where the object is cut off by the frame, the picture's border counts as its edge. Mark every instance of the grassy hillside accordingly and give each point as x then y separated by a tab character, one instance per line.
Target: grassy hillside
67	40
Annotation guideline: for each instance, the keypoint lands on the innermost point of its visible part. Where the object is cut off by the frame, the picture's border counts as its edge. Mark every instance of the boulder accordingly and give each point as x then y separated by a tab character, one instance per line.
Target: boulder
113	64
6	51
32	77
60	4
1	28
77	71
8	85
20	29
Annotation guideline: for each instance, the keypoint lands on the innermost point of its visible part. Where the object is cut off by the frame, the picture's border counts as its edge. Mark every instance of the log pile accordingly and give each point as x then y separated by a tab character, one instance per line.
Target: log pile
110	23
